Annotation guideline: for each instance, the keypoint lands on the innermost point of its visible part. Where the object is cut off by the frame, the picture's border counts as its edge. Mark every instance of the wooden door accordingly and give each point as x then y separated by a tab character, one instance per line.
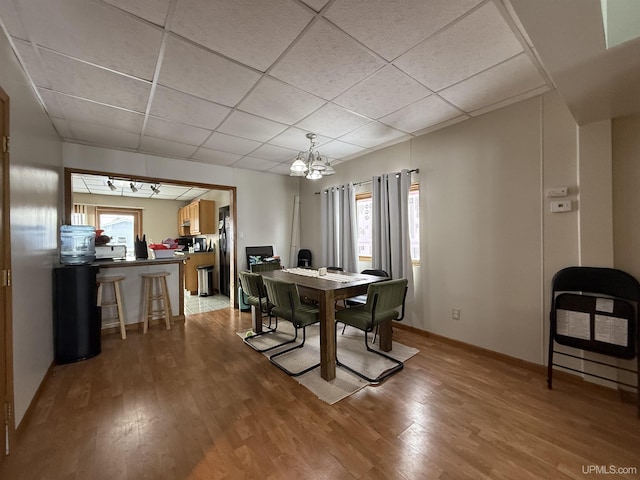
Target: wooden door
6	351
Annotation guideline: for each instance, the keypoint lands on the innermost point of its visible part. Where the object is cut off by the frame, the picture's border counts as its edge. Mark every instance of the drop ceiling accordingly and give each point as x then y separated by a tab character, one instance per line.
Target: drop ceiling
99	185
240	82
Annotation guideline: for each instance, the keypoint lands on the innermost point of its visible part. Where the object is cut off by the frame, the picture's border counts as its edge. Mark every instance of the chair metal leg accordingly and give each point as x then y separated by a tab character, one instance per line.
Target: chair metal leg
288	372
248	340
387	373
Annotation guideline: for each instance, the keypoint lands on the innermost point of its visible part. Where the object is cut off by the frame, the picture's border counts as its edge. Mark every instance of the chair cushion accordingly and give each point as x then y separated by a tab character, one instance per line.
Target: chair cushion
304	315
358	317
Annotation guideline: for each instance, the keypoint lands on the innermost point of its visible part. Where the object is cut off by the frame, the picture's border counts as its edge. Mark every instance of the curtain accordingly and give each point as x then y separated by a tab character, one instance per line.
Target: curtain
339	227
390	227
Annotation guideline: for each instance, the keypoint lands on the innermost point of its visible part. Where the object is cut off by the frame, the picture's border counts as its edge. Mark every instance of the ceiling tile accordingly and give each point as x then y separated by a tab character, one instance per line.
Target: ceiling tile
337	149
317	5
32	63
82	29
87	81
51	103
79	110
184	108
511	78
153	10
104	136
191	69
391	27
62	127
166	148
215	156
383	92
332	121
422	114
254	32
11	20
276	154
177	132
372	135
296	139
231	144
281	169
280	102
518	98
326	62
477	42
248	126
255	164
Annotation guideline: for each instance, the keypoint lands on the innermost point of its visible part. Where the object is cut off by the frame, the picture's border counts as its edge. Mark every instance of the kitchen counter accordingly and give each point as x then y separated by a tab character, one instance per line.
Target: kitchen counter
132	288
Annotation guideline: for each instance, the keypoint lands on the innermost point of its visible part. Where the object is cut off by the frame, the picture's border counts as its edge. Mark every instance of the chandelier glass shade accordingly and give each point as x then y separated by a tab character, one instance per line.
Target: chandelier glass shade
311	164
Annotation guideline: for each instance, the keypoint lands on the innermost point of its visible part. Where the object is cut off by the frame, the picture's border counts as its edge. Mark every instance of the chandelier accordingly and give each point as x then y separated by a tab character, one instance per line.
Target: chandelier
311	165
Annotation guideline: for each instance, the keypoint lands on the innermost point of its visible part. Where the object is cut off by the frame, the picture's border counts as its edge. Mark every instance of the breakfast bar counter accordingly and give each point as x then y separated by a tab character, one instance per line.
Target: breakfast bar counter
132	285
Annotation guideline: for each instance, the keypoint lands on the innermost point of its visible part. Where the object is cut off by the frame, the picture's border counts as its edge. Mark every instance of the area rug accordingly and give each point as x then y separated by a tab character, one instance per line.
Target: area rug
351	351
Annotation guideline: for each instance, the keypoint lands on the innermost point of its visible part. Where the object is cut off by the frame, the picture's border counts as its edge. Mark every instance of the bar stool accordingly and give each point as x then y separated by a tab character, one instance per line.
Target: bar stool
113	280
155	289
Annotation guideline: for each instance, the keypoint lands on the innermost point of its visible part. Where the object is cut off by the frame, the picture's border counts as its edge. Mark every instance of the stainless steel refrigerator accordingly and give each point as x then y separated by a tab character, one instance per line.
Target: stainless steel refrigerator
224	244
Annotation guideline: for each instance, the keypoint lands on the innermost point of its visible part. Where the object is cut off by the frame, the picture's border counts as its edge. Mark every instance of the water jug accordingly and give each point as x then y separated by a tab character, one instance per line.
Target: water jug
77	244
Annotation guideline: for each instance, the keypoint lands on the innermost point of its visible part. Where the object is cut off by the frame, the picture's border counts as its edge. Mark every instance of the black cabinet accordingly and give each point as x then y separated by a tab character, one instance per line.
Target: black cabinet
76	315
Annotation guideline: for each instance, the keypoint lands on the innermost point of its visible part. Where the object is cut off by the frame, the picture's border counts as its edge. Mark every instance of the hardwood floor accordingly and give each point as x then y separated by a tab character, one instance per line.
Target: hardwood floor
194	402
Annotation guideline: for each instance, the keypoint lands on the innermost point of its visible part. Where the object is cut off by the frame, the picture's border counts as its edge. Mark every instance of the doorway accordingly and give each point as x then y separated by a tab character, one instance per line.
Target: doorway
6	344
70	173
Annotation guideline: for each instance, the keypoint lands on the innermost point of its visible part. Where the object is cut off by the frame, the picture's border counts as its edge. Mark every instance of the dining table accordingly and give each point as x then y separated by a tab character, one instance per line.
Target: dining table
326	290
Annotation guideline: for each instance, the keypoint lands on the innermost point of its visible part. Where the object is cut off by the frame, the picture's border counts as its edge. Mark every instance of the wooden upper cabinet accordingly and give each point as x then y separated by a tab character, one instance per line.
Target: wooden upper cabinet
201	218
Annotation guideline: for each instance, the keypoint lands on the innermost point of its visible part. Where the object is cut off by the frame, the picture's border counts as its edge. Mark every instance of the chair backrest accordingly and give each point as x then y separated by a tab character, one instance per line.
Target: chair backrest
282	294
377	273
386	296
304	258
253	287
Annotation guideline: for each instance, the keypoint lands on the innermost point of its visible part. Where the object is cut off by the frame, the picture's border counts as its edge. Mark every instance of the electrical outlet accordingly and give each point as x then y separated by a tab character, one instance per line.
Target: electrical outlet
455	313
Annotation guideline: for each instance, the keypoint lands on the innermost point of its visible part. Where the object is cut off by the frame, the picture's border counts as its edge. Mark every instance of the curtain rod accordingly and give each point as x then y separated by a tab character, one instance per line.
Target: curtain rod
364	182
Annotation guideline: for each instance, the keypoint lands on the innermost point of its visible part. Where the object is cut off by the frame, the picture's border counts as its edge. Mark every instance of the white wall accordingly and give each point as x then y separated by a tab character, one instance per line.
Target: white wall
36	198
484	226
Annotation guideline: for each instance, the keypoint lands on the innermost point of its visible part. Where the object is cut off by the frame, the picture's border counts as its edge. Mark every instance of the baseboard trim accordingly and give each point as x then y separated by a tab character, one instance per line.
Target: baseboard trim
626	396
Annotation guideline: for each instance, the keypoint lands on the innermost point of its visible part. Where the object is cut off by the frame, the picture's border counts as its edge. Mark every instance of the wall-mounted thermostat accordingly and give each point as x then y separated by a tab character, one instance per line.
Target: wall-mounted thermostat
564	206
557	192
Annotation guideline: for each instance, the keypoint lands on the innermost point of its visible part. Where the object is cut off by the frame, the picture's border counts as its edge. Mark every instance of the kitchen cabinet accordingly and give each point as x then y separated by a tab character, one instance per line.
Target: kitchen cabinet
200	217
191	264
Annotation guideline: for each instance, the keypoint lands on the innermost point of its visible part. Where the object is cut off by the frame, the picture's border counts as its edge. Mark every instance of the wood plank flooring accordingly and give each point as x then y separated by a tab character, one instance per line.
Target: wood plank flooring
194	402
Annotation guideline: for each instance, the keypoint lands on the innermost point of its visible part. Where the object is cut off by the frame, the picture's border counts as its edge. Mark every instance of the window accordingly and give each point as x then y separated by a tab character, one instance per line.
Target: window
121	224
364	215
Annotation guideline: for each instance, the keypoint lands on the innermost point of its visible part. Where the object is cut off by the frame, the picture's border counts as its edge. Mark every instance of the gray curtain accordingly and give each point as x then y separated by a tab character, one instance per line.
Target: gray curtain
390	243
339	227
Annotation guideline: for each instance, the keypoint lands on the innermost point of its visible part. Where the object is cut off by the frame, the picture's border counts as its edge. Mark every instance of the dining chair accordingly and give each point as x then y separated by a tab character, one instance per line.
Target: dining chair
255	294
286	304
383	300
362	299
304	258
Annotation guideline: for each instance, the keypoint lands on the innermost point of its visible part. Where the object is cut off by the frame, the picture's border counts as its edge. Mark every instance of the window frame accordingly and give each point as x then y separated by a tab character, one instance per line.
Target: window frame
135	212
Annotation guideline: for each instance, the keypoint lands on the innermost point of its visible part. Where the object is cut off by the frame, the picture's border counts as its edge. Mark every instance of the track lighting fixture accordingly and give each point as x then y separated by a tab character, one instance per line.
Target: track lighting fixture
111	185
155	189
134	189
